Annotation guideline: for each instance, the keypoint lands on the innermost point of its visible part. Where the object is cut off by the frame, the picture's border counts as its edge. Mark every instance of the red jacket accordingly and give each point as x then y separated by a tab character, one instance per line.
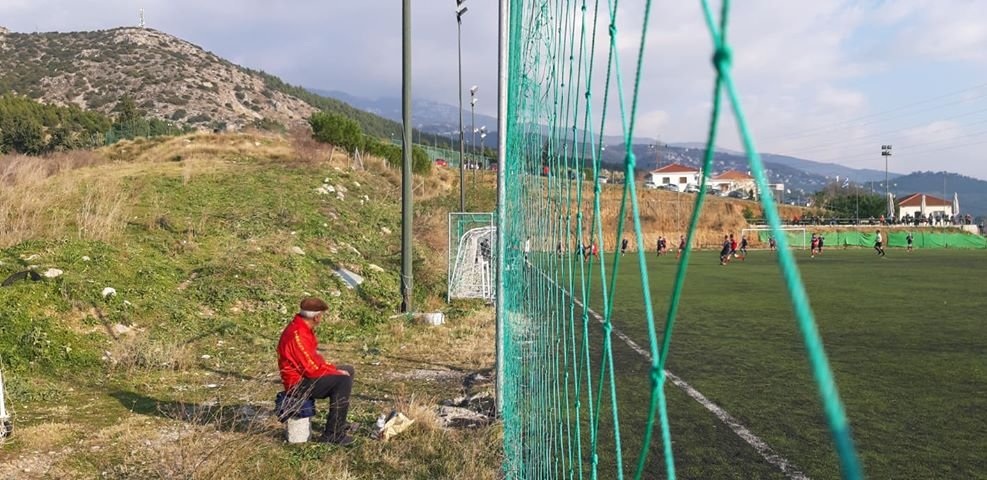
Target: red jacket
298	356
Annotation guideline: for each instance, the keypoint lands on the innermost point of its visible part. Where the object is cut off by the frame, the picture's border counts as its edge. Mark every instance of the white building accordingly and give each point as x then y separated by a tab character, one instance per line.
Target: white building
917	204
731	180
675	174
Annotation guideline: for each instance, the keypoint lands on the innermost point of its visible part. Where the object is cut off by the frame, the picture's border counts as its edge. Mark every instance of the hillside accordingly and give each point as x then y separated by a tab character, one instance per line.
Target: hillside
208	242
168	78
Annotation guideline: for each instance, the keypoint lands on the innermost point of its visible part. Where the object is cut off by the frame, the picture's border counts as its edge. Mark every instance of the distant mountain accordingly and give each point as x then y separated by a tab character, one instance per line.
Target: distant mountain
830	170
433	117
972	192
437	117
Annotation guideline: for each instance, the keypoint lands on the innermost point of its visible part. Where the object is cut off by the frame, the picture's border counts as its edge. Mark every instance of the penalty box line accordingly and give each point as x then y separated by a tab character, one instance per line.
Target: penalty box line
760	446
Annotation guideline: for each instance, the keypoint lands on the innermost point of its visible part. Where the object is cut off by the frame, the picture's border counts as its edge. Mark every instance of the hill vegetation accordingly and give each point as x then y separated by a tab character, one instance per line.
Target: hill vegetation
168	78
33	128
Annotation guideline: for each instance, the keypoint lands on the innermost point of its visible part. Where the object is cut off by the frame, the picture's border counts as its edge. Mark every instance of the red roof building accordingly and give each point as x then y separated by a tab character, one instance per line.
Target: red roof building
731	180
915	200
673	174
674	168
911	205
733	175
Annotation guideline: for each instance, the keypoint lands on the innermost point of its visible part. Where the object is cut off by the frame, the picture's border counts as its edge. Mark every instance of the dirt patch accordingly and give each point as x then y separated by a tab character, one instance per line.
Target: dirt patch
428	375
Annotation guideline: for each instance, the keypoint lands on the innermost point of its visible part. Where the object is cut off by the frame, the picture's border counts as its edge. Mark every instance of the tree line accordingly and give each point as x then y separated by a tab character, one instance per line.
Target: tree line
32	128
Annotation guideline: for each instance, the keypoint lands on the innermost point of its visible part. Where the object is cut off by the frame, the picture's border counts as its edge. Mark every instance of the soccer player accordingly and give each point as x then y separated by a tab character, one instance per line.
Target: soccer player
733	246
771	243
658	246
909	240
743	249
879	244
725	251
681	246
623	247
664	245
820	246
813	245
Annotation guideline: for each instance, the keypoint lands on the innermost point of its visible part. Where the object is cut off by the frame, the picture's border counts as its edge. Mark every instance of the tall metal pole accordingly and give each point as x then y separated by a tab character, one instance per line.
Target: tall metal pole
473	128
407	206
502	69
886	152
462	146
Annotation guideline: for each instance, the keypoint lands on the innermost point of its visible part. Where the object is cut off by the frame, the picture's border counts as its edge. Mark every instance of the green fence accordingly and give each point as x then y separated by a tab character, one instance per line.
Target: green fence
920	239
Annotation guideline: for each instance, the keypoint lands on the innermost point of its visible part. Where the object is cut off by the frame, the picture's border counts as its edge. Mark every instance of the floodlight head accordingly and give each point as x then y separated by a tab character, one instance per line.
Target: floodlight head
473	102
460	10
473	89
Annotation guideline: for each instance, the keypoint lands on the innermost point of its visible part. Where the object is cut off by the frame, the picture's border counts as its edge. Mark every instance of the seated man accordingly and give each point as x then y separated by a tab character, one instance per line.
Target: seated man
306	374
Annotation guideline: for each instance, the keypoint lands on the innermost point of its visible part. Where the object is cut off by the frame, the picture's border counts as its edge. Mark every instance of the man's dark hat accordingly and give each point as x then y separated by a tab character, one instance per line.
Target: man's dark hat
313	304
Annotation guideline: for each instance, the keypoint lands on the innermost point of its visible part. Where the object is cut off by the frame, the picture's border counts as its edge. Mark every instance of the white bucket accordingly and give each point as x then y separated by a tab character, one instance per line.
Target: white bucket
298	429
434	319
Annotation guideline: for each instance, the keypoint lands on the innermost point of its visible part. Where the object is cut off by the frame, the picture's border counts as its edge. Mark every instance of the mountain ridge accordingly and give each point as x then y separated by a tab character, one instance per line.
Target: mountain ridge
167	77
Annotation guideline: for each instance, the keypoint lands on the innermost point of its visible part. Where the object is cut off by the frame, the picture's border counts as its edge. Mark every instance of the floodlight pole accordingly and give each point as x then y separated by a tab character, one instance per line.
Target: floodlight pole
460	11
473	100
886	152
407	205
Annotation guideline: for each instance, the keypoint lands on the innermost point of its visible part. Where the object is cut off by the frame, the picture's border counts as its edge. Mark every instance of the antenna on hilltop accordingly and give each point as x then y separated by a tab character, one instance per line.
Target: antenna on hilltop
142	24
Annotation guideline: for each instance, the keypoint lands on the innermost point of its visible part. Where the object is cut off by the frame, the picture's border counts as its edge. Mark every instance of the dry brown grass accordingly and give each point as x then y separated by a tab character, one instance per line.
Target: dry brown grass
135	354
467	341
46	197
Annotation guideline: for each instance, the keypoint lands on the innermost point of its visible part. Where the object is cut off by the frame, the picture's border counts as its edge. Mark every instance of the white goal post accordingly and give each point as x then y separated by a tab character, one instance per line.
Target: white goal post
797	236
472	256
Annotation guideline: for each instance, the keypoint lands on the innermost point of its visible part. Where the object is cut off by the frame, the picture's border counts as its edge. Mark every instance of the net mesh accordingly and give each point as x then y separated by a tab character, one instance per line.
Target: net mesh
562	415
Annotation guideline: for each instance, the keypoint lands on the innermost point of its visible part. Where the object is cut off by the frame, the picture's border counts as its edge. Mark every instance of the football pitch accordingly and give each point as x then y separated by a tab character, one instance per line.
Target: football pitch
906	336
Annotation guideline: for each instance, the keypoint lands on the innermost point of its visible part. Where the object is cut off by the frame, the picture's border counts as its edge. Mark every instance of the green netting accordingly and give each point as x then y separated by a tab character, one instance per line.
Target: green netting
920	239
561	411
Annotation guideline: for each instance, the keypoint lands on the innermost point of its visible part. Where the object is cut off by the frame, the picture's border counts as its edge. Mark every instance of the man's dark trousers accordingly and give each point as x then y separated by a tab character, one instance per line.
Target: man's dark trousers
337	389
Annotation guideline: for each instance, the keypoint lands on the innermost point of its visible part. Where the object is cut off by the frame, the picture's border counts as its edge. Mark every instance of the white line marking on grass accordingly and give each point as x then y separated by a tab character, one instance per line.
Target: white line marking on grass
760	446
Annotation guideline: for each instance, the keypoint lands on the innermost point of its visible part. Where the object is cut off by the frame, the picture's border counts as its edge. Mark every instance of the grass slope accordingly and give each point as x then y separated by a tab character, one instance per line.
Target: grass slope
174	375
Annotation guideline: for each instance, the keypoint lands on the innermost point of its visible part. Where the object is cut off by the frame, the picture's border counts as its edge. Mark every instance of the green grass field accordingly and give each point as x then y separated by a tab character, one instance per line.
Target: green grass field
906	337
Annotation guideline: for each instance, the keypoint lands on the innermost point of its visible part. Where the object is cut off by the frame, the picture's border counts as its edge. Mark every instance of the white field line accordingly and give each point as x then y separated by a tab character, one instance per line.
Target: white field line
760	446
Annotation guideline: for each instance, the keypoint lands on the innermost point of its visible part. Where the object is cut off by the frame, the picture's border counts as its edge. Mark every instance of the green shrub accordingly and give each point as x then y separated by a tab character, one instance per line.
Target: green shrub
421	164
337	130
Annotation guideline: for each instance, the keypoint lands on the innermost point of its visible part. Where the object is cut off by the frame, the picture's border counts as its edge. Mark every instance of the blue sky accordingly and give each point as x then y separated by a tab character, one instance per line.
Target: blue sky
828	81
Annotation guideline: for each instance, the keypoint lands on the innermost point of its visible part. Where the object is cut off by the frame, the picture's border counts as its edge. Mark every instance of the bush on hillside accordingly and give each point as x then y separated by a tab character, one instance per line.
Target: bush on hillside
337	130
420	162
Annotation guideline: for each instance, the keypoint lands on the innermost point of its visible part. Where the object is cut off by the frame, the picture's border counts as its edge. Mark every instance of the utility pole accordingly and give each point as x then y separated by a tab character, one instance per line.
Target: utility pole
460	11
407	206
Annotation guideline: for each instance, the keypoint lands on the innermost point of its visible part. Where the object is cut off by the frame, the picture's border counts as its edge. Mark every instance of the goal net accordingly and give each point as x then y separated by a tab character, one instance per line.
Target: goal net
761	236
472	255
